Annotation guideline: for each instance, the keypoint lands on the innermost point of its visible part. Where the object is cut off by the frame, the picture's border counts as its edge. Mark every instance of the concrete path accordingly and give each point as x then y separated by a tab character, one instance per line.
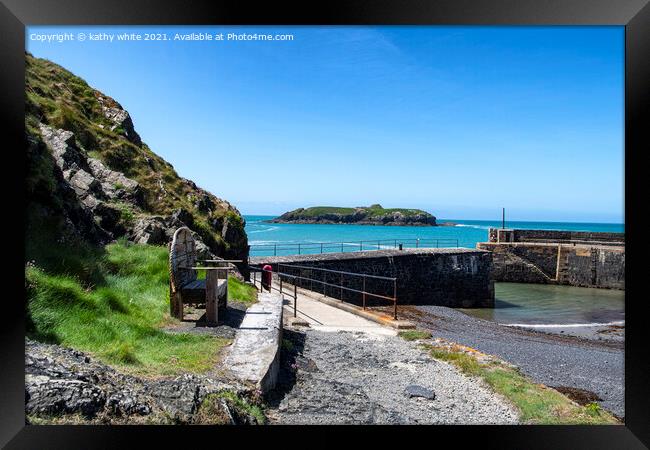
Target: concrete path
323	317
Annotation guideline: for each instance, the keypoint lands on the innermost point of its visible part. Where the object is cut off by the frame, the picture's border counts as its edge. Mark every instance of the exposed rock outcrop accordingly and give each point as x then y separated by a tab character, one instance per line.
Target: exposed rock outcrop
120	118
53	200
69	385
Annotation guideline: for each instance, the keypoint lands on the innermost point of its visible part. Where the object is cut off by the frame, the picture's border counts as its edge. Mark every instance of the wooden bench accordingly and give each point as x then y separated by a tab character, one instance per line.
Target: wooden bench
185	288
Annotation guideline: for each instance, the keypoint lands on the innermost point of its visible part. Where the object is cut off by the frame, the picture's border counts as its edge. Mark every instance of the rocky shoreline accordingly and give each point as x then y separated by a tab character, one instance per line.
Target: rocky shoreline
66	386
556	360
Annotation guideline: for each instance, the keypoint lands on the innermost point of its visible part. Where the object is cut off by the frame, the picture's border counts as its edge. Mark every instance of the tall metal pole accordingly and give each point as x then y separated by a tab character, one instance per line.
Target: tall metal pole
503	218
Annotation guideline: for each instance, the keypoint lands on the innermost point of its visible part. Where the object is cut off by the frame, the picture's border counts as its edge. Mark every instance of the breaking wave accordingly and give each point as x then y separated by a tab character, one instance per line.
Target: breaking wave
566	325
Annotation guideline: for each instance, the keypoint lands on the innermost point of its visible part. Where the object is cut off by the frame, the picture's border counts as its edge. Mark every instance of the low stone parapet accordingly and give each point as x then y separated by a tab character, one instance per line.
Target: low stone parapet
254	356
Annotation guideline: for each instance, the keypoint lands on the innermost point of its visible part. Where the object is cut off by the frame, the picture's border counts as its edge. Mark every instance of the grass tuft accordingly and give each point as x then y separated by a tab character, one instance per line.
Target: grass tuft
414	335
241	292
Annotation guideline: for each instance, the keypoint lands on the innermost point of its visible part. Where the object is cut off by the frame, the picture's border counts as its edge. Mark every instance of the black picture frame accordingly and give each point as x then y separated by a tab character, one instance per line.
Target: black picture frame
16	14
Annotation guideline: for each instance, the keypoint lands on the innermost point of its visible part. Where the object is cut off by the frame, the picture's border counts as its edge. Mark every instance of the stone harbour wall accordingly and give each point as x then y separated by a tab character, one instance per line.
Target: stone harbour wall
601	266
516	235
454	277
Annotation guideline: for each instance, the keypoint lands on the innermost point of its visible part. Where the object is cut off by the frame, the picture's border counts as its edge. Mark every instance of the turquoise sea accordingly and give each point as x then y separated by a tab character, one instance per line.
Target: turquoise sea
467	232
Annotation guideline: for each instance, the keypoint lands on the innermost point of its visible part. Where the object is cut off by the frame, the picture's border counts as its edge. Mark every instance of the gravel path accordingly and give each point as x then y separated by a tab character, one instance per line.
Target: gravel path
549	359
357	378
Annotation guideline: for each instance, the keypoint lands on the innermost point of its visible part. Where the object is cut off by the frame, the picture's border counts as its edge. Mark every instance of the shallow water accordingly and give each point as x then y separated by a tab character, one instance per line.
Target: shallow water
519	303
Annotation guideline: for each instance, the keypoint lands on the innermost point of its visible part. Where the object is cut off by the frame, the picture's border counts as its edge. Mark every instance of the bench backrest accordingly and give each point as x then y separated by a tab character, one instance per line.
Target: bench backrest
182	253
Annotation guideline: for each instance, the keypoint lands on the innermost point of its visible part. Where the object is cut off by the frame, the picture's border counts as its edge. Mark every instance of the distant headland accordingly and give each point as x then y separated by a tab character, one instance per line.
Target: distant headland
361	215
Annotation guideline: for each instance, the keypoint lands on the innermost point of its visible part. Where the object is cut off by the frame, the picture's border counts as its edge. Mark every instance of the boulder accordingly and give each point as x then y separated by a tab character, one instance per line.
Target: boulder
49	396
204	203
181	217
112	182
202	250
414	390
149	230
109	217
63	147
120	118
83	183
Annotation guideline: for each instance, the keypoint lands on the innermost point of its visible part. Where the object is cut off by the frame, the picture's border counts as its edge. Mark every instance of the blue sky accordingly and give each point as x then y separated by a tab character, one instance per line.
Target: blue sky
460	121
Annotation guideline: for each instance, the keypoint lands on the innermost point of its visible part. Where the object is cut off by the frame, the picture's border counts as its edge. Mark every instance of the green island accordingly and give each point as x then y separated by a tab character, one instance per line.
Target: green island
361	215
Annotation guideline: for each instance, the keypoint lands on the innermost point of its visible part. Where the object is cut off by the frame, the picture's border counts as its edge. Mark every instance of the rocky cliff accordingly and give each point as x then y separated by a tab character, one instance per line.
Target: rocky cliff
90	176
370	215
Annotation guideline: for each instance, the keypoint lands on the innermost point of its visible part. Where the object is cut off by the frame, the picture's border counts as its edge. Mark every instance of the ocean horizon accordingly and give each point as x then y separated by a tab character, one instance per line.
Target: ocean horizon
467	232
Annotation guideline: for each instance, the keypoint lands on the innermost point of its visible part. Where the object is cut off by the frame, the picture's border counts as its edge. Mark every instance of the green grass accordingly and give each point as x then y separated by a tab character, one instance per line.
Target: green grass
241	292
321	210
538	404
372	211
237	290
119	319
378	210
413	335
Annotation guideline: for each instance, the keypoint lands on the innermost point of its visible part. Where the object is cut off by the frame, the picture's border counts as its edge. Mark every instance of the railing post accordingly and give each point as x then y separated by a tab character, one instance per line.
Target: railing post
364	292
280	276
395	298
417	243
298	248
295	297
341	287
360	246
341	247
275	249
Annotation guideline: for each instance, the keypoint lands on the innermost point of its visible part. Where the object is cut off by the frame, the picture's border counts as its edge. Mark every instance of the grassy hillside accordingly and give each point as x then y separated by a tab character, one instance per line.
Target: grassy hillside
373	211
116	310
59	99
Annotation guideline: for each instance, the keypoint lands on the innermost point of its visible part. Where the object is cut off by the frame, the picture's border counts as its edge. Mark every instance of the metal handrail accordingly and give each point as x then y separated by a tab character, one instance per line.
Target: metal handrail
271	287
300	246
340	286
